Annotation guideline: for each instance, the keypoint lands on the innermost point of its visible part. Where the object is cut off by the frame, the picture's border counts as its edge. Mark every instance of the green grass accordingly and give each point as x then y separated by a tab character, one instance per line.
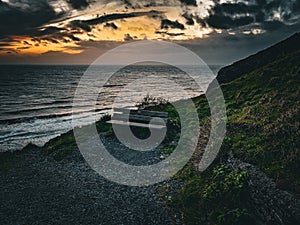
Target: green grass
263	110
213	197
168	149
61	146
262	129
263	120
104	128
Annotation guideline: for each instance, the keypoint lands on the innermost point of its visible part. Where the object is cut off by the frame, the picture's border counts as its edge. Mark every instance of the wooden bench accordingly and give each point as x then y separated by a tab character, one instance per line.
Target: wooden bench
139	118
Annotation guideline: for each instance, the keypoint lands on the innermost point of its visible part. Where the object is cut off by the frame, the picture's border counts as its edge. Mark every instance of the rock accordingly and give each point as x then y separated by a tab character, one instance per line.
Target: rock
270	205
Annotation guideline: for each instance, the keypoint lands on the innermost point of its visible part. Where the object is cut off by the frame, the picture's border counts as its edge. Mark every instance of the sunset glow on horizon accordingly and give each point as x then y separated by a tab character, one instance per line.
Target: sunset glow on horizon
73	27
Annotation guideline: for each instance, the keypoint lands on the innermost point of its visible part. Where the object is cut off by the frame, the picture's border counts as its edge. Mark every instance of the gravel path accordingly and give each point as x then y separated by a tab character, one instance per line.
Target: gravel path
40	190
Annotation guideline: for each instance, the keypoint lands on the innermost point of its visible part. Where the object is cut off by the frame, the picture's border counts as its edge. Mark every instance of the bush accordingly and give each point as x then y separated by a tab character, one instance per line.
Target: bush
150	100
216	196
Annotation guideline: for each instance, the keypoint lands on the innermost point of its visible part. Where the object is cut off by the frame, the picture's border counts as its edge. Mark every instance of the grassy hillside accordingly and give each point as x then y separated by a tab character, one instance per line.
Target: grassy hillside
262	129
263	120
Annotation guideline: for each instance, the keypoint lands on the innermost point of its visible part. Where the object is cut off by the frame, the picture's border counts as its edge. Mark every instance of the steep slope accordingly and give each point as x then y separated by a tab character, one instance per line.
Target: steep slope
263	109
262	58
263	120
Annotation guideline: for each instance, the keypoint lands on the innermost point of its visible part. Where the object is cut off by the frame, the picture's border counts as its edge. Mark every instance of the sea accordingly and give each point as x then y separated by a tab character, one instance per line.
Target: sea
37	101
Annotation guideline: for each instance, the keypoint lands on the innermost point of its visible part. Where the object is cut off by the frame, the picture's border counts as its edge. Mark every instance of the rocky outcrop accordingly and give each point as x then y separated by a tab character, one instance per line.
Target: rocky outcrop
270	205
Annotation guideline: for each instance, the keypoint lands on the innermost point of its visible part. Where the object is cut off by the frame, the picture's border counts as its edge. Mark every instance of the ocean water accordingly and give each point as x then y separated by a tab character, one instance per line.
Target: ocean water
37	101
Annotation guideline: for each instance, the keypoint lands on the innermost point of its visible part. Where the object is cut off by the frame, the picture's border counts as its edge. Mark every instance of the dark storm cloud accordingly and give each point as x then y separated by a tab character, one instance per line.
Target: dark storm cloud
117	16
26	43
234	8
87	25
229	15
169	34
78	4
236	14
189	2
222	16
165	24
75	24
52	40
46	31
137	4
296	6
53	35
27	17
9	41
111	25
23	16
225	49
4	44
127	37
189	19
23	48
71	36
227	22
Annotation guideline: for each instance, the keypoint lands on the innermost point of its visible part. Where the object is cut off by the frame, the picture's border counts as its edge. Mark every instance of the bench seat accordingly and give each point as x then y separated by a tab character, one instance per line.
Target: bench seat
139	118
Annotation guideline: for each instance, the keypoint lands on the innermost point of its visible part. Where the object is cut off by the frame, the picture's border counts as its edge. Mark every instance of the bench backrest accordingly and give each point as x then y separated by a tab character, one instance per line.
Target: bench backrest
140	116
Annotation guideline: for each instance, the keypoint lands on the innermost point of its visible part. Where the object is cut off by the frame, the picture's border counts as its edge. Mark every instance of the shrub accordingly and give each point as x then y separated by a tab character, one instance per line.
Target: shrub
150	100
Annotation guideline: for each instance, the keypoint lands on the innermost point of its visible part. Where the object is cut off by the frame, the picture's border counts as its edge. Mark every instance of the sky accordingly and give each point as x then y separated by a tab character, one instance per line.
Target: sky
79	31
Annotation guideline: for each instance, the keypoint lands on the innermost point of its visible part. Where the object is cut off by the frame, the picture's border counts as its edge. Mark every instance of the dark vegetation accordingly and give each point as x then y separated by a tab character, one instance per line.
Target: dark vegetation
263	126
216	196
262	129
